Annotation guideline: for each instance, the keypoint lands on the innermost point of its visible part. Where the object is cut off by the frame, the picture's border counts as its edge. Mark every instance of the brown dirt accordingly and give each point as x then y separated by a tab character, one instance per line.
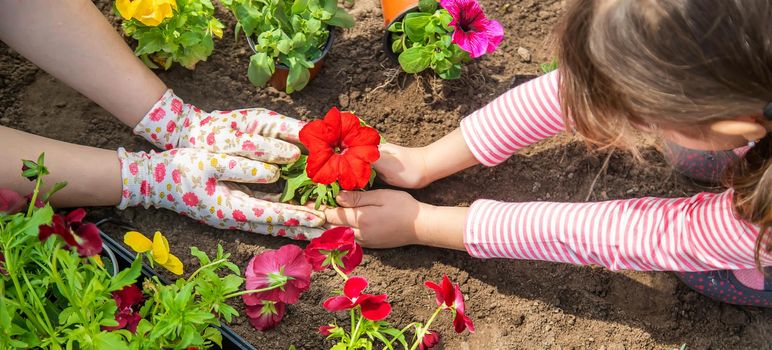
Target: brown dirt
515	304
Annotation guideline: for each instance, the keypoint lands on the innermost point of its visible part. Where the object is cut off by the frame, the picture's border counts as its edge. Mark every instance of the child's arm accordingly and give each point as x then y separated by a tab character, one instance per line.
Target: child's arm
520	117
699	233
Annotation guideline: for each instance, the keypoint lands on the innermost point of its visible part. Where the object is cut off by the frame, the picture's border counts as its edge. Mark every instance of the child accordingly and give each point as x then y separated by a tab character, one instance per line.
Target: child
698	73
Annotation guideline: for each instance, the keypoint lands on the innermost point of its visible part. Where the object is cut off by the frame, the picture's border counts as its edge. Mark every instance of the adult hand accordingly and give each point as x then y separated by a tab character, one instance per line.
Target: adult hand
203	185
254	133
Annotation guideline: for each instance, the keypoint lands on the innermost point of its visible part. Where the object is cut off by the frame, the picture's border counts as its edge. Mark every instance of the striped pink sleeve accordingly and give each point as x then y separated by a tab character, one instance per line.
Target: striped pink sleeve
699	233
520	117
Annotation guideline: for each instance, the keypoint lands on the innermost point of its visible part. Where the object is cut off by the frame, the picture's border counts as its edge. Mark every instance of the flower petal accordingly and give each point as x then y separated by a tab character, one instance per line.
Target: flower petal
76	216
473	42
137	242
174	265
354	286
160	248
462	322
329	172
90	242
375	307
338	303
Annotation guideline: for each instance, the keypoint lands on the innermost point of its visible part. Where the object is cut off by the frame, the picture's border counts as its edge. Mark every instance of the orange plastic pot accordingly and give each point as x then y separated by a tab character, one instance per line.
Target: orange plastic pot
279	78
394	8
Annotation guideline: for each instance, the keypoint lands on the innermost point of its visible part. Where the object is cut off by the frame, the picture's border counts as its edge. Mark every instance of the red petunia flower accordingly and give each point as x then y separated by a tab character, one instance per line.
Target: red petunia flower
11	202
450	296
429	340
83	236
340	149
336	245
128	301
374	307
286	267
266	314
326	330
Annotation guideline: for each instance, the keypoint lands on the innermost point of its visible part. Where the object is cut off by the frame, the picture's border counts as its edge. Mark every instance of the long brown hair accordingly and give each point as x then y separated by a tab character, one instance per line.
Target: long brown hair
628	65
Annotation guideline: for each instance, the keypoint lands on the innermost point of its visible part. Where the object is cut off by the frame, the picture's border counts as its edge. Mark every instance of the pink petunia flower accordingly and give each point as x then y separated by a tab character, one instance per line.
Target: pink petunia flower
336	245
474	32
285	268
266	314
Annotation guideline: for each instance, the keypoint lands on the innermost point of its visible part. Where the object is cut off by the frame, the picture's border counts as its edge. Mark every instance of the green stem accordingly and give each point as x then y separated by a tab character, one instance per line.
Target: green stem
38	181
235	294
355	333
203	267
338	270
422	330
401	332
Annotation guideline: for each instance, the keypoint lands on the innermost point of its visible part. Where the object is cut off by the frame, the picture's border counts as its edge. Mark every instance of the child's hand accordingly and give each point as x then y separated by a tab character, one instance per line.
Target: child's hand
204	186
380	218
387	219
402	166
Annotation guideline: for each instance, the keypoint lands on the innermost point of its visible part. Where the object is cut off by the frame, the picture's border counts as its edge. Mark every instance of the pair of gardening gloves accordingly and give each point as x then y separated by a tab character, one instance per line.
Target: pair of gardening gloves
209	157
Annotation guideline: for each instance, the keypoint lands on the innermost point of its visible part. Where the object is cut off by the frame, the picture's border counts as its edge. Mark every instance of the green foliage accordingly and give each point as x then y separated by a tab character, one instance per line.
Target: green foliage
292	33
185	313
423	40
549	66
186	38
301	188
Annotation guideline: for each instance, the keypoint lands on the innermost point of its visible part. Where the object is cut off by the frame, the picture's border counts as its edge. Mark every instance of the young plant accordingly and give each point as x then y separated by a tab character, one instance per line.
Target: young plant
445	38
169	31
550	66
341	151
292	33
54	291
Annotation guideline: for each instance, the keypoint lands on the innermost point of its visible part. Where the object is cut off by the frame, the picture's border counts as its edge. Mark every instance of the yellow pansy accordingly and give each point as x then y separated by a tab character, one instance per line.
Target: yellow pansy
158	248
149	12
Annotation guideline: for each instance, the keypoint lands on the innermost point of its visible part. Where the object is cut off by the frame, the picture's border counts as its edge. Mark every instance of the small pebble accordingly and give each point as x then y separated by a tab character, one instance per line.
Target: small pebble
525	54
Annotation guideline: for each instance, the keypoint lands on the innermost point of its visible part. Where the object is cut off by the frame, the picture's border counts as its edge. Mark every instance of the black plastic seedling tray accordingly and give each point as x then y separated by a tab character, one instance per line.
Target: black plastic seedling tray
230	340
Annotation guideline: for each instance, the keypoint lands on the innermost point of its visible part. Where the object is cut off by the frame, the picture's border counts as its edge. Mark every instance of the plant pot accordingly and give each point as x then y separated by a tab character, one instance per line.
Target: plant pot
111	263
124	258
279	78
393	9
387	35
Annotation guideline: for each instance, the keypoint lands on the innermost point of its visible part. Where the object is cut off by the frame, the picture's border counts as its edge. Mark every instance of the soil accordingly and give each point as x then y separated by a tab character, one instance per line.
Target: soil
515	304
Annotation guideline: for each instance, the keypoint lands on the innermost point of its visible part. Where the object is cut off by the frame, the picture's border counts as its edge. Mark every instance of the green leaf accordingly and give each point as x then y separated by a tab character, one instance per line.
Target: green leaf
298	75
149	42
396	44
55	188
454	72
299	6
415	25
189	39
415	59
261	68
203	259
127	276
109	340
341	18
428	6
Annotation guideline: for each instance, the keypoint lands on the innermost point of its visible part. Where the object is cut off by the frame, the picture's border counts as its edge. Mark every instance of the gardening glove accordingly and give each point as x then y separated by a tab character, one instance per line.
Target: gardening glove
253	133
203	185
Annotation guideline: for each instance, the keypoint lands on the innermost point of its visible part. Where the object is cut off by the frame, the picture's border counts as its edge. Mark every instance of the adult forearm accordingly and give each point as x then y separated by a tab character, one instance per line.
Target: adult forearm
72	41
93	175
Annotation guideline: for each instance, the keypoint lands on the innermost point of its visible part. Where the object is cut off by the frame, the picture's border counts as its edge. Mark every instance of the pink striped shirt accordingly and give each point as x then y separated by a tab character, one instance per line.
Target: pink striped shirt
698	233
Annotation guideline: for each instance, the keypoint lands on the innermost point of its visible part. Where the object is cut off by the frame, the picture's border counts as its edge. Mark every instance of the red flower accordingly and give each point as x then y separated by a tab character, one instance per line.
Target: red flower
157	114
190	199
326	330
286	267
11	202
340	149
429	340
160	172
176	176
266	314
128	315
83	236
176	106
374	307
336	245
450	296
211	185
239	216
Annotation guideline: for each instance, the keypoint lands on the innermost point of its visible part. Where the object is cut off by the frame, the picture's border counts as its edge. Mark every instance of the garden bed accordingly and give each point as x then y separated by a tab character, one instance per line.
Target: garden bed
514	304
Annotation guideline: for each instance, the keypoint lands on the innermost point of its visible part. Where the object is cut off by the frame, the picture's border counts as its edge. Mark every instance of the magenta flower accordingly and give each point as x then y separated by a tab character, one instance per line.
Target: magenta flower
10	202
474	32
266	314
374	307
285	268
77	234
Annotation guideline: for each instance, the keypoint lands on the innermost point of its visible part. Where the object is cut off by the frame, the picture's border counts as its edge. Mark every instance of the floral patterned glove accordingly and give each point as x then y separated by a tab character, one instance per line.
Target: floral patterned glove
254	133
202	185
